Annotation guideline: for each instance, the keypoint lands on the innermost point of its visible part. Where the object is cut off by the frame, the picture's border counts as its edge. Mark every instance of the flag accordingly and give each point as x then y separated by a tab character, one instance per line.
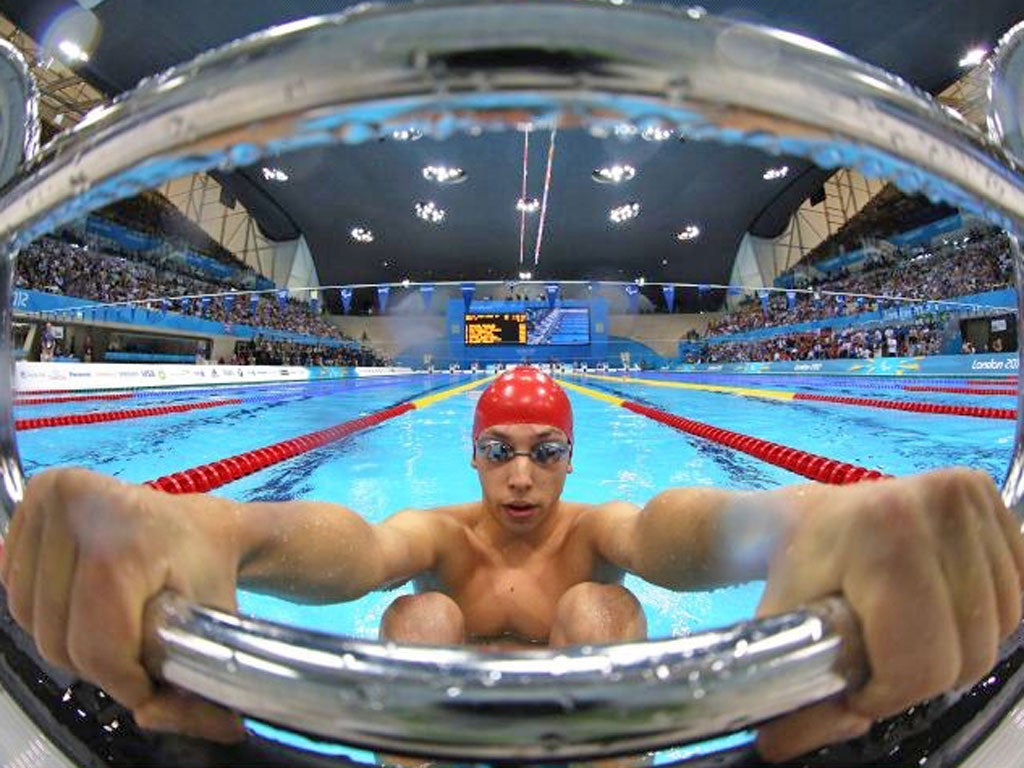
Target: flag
633	298
790	299
551	290
382	297
254	302
427	294
670	297
346	300
204	304
468	289
229	302
282	298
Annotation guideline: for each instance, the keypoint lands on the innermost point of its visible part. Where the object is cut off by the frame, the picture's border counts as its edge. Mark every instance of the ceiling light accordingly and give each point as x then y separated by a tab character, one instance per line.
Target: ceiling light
72	51
526	275
361	235
274	174
656	133
407	134
776	173
624	213
690	232
443	175
973	57
614	174
429	212
527	204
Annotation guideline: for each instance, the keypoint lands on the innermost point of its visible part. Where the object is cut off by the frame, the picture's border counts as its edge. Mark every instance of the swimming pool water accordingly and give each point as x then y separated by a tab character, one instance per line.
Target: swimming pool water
421	459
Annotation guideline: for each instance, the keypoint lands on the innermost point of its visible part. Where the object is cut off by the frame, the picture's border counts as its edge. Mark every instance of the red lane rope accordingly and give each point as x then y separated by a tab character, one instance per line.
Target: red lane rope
136	413
895	405
71	398
960	390
810	465
209	476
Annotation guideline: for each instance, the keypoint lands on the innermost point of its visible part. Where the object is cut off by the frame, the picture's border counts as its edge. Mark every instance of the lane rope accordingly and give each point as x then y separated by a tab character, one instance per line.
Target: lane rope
44	422
896	405
777	394
207	477
71	398
960	390
809	465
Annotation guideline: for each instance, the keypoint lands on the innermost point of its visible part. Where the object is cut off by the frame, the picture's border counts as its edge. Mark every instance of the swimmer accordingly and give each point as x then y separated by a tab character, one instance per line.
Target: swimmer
932	565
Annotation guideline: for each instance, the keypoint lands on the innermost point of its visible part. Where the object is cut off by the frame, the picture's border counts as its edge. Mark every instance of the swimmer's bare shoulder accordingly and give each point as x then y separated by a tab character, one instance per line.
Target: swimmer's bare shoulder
605	531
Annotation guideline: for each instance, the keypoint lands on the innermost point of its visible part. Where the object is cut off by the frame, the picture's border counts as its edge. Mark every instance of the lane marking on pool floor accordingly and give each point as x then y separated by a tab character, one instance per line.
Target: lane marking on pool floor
206	477
776	394
809	465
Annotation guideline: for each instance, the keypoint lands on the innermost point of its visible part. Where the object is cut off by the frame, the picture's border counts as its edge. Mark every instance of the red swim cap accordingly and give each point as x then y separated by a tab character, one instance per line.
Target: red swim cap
523	395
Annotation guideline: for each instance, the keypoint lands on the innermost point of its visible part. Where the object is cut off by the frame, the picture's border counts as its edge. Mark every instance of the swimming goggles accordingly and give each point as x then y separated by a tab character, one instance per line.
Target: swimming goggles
545	454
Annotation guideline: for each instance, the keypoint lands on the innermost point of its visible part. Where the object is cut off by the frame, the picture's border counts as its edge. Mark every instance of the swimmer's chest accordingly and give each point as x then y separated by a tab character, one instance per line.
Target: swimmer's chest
518	595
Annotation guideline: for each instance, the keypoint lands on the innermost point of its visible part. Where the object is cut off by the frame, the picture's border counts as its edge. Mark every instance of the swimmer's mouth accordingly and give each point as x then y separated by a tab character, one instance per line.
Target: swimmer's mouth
520	510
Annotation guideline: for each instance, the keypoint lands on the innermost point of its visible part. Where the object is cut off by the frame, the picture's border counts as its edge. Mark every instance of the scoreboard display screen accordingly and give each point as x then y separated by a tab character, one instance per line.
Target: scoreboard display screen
533	326
484	329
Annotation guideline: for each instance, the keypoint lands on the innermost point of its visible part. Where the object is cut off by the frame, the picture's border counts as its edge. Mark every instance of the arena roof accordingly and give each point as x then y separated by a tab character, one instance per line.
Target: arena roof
720	189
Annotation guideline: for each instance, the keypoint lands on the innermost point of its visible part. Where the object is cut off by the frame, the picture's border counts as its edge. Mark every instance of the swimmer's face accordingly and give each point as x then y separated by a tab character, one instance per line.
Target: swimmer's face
520	492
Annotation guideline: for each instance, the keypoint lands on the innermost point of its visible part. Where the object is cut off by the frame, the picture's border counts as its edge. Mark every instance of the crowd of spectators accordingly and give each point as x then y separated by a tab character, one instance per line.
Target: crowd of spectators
261	351
86	270
152	213
922	337
980	262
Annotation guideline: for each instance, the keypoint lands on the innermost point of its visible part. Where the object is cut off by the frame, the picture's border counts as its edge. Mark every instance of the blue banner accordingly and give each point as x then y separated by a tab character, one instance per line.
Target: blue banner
382	297
185	304
314	305
282	298
468	289
790	299
204	304
209	266
763	296
732	290
670	297
551	291
427	294
228	301
346	300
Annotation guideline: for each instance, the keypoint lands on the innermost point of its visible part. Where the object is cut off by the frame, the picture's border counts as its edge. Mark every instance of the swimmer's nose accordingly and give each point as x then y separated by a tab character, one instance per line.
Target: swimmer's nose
520	472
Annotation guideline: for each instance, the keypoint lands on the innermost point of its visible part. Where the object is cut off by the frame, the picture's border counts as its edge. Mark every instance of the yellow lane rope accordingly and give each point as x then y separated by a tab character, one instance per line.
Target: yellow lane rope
773	394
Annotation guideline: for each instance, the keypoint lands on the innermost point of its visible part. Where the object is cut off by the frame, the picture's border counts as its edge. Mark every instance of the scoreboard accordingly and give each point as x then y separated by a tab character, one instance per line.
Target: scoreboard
495	328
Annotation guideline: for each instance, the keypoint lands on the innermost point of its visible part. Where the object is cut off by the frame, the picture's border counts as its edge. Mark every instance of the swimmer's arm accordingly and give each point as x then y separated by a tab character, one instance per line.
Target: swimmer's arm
321	553
696	538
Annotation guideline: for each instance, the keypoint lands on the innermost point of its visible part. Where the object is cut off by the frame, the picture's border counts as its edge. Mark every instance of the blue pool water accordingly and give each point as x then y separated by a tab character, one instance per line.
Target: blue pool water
421	459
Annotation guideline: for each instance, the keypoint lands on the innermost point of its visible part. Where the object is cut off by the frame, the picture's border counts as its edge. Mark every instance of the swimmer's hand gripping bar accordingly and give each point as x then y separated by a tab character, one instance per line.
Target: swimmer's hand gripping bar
444	68
535	705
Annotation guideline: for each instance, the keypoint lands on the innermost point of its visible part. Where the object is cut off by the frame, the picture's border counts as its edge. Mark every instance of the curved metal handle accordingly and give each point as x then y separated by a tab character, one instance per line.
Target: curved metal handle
547	704
443	68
